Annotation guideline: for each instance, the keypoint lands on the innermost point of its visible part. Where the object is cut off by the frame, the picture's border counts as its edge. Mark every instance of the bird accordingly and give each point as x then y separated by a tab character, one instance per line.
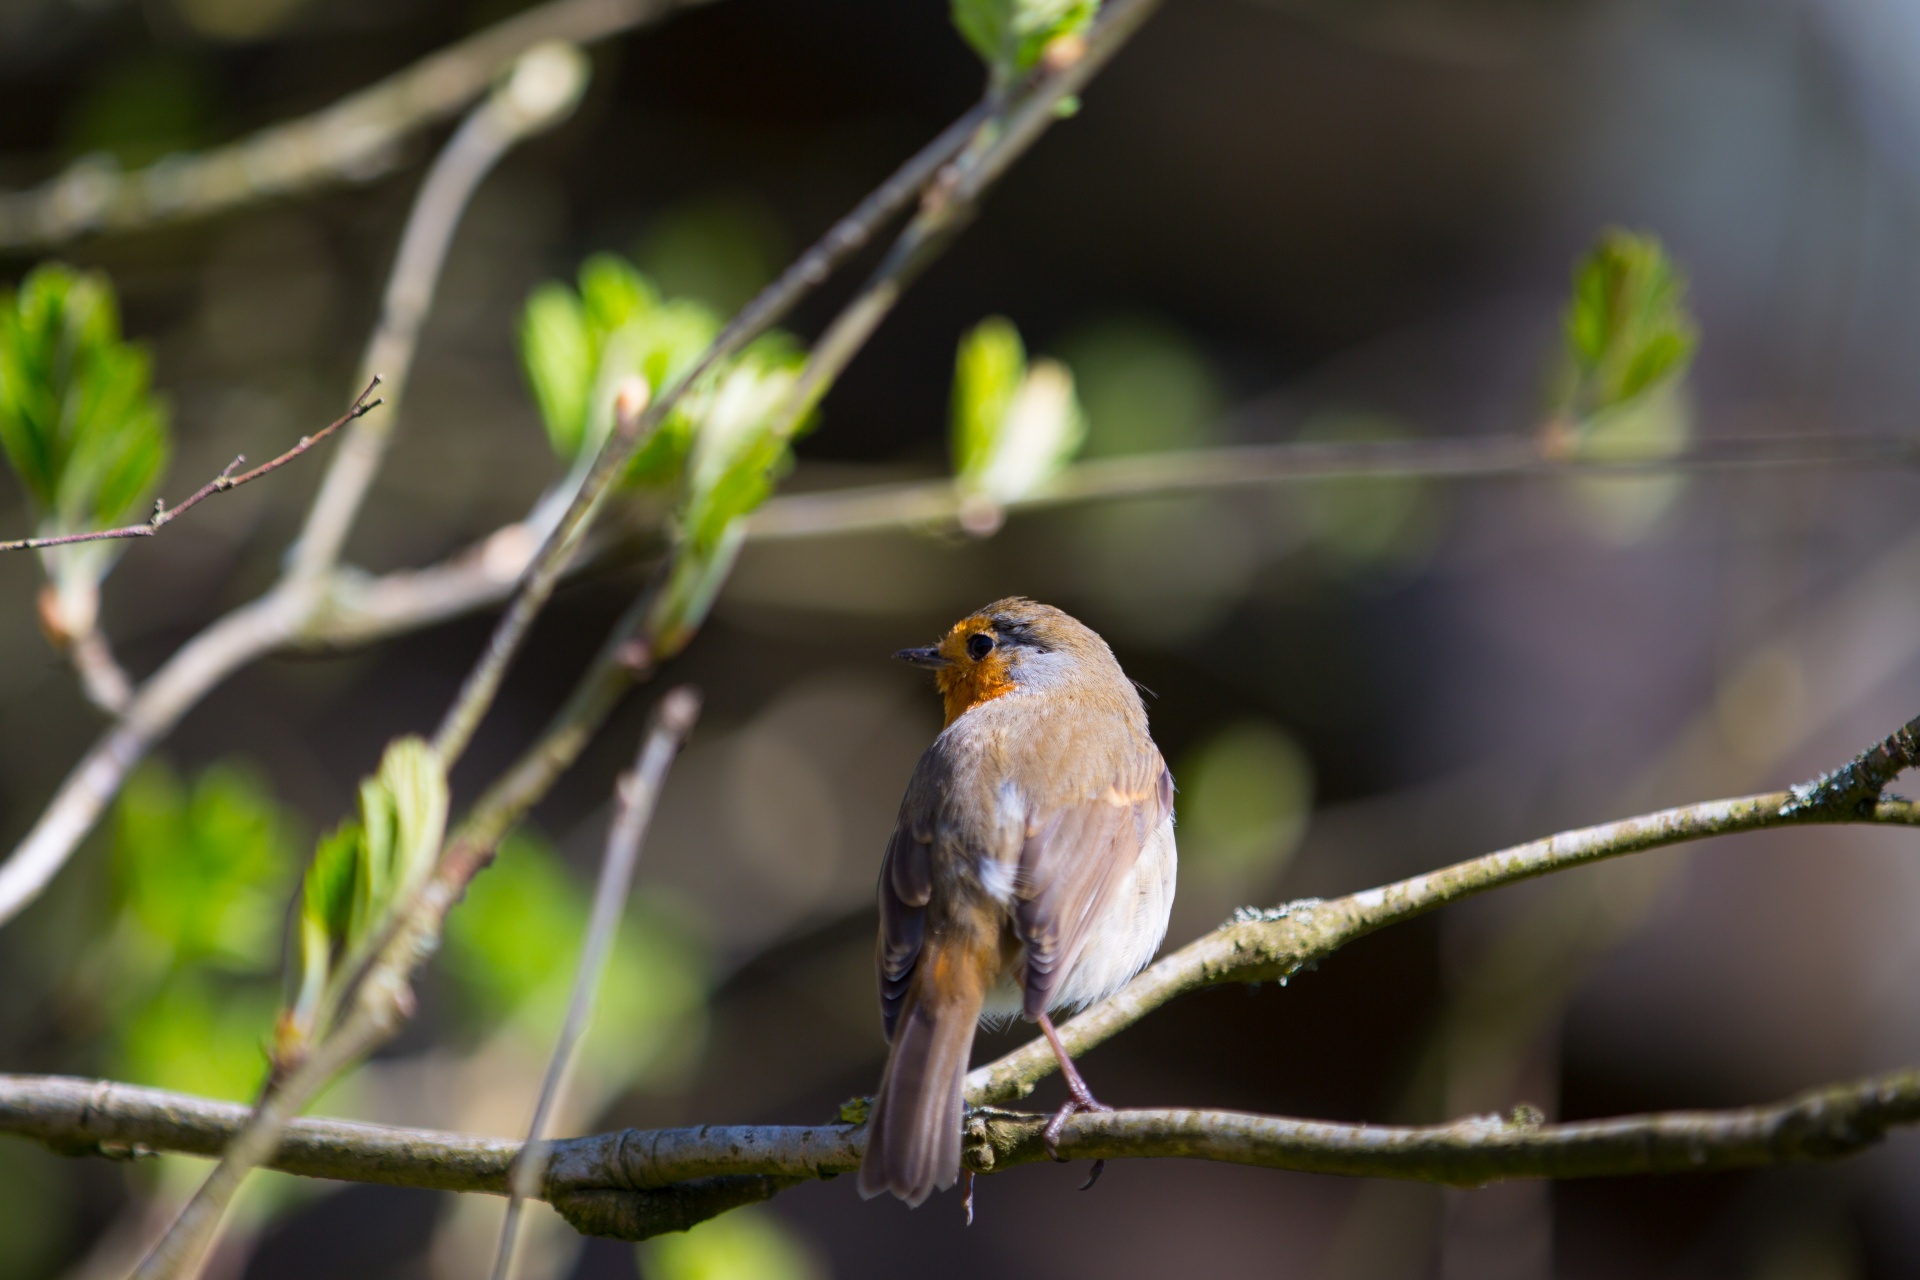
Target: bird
1030	872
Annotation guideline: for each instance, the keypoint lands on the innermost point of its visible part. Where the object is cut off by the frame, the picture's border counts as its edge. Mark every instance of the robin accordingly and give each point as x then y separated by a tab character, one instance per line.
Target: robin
1030	871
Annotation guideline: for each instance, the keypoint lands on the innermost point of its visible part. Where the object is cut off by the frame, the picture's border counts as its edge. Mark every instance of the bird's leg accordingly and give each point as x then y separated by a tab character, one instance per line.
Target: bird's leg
1079	1098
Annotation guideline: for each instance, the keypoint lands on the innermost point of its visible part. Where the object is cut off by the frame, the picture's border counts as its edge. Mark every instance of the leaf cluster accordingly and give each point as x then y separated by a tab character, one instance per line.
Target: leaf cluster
361	873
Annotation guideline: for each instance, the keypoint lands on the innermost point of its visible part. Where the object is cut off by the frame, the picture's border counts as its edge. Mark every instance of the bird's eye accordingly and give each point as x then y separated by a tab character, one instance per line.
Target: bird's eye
979	645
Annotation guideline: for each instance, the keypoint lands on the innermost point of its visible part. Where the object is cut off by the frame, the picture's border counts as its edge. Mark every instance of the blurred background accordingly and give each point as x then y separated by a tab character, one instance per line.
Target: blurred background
1272	220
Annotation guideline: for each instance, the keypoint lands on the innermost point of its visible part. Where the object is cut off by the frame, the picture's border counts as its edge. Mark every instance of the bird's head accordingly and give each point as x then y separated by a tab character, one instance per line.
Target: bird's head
1013	645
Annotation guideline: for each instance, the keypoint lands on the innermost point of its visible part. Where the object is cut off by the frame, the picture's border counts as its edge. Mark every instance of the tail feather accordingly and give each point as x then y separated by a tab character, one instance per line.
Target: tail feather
913	1135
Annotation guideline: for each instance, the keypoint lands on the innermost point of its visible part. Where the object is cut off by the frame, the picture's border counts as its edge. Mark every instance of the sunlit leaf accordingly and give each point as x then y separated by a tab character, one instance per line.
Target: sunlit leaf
578	347
1627	327
987	371
1014	425
205	871
558	354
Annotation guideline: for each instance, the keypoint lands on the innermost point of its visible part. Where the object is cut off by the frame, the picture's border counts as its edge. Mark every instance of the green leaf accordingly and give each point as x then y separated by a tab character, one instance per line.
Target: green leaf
747	1244
739	452
1014	425
1010	35
79	422
558	354
1628	330
577	347
986	372
204	871
412	776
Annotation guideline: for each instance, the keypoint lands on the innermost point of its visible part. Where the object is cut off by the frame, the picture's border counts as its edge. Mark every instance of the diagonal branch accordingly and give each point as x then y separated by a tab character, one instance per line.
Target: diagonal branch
1273	945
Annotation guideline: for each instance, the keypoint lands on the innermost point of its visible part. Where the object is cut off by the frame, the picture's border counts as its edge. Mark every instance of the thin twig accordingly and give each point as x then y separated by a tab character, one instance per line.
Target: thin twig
357	139
639	793
937	503
163	515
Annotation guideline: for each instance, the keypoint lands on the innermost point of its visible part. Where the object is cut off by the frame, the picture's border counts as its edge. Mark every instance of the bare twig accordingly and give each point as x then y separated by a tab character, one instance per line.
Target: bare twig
639	792
937	503
163	515
355	140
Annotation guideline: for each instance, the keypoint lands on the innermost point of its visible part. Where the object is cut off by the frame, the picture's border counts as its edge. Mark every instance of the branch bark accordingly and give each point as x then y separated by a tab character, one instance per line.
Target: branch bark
634	1183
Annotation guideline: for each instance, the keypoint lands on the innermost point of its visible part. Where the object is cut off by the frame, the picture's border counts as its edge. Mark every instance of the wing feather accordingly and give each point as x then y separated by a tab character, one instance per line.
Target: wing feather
1073	862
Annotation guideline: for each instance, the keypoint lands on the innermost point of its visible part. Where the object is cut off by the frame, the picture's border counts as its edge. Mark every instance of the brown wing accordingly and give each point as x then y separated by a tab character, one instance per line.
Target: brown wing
906	885
1073	862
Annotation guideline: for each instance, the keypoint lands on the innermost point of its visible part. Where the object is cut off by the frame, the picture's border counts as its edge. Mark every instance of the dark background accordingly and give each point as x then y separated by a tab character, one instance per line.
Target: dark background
1322	210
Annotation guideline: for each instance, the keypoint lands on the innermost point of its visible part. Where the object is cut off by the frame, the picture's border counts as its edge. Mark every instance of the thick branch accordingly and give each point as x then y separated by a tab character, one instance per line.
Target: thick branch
355	140
633	1183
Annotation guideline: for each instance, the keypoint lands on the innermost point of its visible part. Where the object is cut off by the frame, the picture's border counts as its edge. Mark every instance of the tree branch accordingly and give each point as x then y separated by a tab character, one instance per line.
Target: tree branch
1273	945
356	139
634	1183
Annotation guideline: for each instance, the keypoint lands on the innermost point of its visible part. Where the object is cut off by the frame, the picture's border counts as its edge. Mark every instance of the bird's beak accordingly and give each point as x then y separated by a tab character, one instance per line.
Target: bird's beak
922	657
